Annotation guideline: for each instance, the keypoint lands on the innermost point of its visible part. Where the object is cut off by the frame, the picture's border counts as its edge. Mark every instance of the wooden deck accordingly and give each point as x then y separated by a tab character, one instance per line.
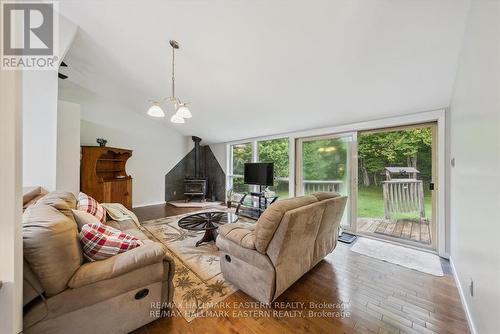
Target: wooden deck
408	229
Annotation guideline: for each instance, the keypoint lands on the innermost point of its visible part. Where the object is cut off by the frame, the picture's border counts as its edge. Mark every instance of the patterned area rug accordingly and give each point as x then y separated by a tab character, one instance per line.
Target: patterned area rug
198	280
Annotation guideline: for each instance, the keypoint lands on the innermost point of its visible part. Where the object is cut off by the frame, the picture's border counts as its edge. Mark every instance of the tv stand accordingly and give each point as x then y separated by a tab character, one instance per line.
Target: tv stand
252	211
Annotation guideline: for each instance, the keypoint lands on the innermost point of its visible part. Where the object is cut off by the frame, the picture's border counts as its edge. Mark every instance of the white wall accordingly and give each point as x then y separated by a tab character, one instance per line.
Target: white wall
156	147
40	117
11	270
68	147
474	181
39	128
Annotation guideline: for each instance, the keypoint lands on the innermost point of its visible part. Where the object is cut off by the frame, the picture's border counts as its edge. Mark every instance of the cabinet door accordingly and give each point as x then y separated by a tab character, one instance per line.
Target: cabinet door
121	192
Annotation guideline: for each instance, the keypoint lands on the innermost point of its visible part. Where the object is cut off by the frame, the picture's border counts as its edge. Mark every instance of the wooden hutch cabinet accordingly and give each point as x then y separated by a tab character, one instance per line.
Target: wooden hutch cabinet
103	174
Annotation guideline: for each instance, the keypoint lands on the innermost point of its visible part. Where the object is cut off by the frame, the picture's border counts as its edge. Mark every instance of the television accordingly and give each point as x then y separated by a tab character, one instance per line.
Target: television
259	173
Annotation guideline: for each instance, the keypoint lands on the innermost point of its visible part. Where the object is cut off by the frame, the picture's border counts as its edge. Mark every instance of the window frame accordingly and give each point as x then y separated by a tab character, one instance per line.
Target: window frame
255	158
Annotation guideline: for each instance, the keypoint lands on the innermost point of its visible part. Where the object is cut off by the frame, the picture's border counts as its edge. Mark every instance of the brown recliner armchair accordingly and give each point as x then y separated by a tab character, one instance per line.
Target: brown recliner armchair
65	294
291	237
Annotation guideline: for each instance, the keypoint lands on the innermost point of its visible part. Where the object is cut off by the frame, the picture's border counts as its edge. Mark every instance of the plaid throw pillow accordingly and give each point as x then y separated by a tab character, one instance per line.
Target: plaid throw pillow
100	242
90	205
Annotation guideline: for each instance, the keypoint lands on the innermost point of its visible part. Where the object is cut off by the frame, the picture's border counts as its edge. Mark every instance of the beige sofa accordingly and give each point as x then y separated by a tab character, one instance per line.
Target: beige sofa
291	237
63	293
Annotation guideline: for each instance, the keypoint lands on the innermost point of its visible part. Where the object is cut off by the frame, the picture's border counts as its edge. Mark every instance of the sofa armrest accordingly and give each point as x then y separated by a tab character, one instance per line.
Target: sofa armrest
136	258
240	233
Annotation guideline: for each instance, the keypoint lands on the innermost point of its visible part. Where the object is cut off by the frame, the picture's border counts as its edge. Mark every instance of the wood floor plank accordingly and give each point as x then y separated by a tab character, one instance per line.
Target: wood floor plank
398	229
406	233
389	230
425	234
381	227
377	296
415	231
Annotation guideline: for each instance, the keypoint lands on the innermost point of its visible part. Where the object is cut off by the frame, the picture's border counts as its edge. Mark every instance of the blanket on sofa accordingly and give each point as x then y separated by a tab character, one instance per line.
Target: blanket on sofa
118	212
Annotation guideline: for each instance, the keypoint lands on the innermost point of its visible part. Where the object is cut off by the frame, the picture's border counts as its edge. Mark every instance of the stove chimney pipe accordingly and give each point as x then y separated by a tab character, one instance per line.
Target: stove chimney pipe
197	154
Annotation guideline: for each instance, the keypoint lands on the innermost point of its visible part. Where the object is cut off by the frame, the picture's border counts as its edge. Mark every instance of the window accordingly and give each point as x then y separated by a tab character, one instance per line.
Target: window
240	154
276	151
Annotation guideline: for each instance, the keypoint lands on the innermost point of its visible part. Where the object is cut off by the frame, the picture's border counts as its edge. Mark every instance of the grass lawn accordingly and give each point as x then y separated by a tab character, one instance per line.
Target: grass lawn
371	203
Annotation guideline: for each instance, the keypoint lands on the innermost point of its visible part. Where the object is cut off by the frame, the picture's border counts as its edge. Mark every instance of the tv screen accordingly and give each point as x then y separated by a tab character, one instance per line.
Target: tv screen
259	173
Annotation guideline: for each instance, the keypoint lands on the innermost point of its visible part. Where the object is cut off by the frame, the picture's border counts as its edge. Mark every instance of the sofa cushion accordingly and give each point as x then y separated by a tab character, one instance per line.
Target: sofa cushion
136	233
83	218
32	194
90	205
140	257
271	218
240	233
326	239
292	247
63	201
322	195
51	246
32	288
100	242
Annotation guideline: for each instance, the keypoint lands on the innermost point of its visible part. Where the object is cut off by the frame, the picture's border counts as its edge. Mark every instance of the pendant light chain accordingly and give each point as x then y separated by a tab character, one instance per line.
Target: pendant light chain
173	72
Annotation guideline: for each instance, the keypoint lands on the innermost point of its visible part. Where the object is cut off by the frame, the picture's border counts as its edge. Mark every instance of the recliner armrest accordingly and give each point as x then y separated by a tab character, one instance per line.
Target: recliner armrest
240	233
136	258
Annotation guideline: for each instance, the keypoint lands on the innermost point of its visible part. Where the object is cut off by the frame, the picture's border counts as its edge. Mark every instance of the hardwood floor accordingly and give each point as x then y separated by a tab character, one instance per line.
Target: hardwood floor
374	297
160	211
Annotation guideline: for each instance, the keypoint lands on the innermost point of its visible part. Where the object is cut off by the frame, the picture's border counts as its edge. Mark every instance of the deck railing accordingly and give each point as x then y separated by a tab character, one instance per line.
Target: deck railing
403	196
311	186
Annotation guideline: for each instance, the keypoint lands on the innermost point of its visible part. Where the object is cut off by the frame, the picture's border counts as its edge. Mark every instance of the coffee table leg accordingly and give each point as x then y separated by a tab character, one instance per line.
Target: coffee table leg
208	236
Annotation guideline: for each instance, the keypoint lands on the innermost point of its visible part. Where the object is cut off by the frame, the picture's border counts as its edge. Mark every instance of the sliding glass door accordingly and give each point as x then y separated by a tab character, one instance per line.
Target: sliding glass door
397	174
389	176
326	164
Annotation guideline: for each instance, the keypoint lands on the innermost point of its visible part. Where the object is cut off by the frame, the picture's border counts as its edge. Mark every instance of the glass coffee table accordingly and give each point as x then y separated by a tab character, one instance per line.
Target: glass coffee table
208	222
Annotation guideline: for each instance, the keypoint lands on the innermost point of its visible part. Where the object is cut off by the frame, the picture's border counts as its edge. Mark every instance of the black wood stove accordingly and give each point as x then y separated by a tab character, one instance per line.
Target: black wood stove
196	186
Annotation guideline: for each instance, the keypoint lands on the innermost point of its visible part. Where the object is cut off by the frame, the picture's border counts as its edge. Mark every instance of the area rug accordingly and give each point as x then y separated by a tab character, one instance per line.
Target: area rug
403	256
198	280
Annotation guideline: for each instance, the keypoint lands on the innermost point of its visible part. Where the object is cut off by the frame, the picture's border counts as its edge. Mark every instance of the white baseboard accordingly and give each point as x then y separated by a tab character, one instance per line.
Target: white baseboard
148	204
462	298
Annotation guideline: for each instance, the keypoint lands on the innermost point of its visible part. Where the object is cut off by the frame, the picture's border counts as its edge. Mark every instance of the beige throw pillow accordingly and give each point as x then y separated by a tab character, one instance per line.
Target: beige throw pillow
83	218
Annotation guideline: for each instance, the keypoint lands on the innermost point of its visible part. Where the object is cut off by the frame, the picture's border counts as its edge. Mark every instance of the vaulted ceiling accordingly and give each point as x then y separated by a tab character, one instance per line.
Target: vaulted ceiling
253	68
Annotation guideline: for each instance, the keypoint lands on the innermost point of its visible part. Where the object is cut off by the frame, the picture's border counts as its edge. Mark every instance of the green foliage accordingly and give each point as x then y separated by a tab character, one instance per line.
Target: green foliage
242	153
324	159
275	151
411	147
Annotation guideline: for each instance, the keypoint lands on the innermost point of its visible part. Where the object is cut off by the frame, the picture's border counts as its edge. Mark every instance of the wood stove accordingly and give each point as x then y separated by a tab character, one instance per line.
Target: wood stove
196	186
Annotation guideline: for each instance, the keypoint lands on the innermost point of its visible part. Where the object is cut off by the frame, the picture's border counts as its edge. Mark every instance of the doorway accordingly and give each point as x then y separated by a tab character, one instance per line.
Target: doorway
396	182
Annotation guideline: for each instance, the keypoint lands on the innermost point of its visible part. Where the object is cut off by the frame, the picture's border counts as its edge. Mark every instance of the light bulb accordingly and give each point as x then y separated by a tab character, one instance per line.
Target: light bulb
155	110
184	112
176	119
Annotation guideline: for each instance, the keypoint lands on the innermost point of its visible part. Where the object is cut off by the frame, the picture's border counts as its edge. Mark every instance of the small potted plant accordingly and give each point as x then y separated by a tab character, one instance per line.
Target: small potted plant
101	141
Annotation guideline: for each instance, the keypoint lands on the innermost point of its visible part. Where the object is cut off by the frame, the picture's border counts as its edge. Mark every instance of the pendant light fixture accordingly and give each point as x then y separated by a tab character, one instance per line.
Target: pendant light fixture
181	109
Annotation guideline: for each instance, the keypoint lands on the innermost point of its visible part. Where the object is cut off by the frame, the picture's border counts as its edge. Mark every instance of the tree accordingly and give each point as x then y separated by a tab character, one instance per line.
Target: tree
394	148
275	151
324	159
242	153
